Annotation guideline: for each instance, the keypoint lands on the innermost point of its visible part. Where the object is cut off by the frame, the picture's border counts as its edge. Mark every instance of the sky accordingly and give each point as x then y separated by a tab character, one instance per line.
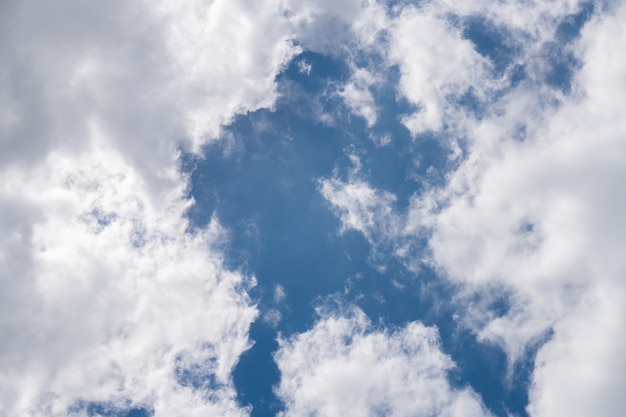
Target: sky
336	208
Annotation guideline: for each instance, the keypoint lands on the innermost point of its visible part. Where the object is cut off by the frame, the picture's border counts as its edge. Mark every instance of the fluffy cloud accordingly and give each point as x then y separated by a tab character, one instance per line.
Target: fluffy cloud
344	366
542	215
534	213
154	75
585	361
439	65
108	298
436	64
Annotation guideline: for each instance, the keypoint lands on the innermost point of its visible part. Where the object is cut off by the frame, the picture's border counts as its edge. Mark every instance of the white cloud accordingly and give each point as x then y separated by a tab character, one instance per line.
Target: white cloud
154	75
438	65
542	216
308	11
272	317
279	294
435	63
250	40
533	19
106	293
538	219
358	97
304	67
107	296
585	363
344	366
361	207
582	370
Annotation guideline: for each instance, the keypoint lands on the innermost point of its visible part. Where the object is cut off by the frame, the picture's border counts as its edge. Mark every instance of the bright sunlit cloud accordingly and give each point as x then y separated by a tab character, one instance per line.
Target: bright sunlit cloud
185	185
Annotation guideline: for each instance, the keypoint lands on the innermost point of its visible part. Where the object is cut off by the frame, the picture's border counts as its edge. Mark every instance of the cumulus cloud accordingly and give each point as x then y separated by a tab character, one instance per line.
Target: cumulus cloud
586	357
440	66
542	215
534	213
436	63
345	366
108	298
154	75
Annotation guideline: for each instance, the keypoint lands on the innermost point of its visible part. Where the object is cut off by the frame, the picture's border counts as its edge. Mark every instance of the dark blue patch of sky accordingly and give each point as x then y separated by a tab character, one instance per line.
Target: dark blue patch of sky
494	42
97	409
561	60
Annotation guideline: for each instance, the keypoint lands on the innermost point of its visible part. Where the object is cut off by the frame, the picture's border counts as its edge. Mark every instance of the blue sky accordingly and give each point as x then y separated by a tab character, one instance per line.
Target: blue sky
379	208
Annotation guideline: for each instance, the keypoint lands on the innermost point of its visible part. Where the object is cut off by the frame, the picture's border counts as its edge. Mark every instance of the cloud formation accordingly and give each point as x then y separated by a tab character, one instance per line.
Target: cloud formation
345	366
154	75
108	299
533	213
111	299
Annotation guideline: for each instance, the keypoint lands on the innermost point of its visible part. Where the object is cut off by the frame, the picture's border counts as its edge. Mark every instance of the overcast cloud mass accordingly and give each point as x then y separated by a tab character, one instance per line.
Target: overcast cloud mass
331	208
